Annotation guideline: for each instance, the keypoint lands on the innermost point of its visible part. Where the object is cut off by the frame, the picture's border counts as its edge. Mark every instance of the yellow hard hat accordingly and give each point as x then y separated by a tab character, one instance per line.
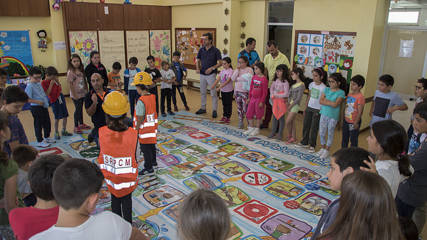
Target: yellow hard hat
142	78
115	104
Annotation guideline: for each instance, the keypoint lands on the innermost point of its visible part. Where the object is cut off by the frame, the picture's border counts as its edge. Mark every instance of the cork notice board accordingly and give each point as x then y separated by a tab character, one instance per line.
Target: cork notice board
188	41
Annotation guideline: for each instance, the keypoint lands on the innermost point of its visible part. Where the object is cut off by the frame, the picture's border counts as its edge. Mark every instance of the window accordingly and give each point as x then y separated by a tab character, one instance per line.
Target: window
403	17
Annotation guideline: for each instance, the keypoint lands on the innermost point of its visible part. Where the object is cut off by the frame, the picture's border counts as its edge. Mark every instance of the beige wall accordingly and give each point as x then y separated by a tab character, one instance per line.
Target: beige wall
405	70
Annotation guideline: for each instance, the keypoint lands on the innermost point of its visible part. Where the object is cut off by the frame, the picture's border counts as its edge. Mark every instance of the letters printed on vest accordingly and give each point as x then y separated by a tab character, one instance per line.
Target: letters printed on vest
117	160
147	130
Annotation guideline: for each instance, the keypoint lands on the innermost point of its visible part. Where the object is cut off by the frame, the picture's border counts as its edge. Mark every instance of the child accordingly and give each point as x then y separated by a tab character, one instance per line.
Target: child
331	101
114	82
385	101
39	108
117	156
145	122
53	89
257	94
155	76
415	139
181	74
343	162
129	75
78	91
242	77
366	210
168	78
226	88
387	141
295	96
353	112
203	215
28	221
412	192
312	110
74	219
14	98
24	155
279	93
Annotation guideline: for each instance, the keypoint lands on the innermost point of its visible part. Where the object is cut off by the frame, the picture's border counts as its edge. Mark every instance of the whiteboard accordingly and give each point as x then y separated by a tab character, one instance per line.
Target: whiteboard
138	45
112	49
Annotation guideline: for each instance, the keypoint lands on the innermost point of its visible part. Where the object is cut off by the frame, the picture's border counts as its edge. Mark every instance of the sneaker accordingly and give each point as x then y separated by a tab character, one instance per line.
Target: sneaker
201	111
78	130
227	121
187	108
311	150
254	132
271	135
301	145
146	172
57	137
171	113
249	130
291	141
278	137
175	109
43	144
164	115
214	114
320	152
49	140
325	154
263	126
85	127
66	134
241	125
223	119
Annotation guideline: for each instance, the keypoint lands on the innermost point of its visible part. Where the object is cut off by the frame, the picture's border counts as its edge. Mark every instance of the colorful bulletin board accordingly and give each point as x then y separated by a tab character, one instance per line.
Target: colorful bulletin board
334	51
112	48
188	41
15	51
82	43
138	44
160	45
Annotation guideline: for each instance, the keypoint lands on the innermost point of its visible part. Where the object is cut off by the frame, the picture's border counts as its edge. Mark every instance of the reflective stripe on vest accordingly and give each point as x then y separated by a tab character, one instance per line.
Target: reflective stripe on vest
147	130
119	186
148	135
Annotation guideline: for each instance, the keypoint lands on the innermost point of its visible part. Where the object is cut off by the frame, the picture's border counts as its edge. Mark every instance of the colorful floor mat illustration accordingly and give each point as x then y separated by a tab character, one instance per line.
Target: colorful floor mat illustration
273	191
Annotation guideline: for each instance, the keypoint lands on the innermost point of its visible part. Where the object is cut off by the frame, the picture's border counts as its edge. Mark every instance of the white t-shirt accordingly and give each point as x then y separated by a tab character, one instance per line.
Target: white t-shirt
105	226
169	74
389	170
315	93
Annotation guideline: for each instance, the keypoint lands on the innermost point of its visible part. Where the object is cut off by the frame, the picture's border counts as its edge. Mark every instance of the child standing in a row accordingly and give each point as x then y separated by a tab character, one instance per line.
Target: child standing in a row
242	77
168	78
331	101
279	92
353	112
130	90
257	95
295	96
226	88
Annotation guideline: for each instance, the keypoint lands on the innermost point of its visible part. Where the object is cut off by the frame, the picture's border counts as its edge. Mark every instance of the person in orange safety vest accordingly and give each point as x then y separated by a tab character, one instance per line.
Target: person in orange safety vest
117	156
145	121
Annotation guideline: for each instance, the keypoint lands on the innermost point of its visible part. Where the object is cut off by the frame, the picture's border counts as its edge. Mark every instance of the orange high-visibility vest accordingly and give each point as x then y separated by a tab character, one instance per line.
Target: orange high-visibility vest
117	160
147	131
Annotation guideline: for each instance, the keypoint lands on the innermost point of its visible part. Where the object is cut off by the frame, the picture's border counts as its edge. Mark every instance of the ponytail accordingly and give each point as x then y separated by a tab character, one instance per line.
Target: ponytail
404	165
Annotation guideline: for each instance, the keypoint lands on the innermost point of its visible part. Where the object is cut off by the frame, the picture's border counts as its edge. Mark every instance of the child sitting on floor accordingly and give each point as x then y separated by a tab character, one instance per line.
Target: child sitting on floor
24	155
203	215
29	221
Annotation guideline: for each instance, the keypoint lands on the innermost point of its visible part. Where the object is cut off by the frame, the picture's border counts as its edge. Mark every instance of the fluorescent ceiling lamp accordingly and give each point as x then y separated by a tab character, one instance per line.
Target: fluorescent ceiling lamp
403	17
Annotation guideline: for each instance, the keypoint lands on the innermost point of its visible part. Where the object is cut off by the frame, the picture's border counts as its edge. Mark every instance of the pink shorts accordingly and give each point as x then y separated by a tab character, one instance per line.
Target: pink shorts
254	110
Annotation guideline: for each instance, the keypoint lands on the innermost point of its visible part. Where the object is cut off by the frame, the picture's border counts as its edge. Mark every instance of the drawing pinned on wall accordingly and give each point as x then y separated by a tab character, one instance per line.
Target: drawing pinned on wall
160	46
304	38
15	52
303	50
82	43
316	51
316	39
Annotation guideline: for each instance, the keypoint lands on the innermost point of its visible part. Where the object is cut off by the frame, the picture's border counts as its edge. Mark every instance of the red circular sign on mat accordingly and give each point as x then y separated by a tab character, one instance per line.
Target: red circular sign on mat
255	210
256	178
291	204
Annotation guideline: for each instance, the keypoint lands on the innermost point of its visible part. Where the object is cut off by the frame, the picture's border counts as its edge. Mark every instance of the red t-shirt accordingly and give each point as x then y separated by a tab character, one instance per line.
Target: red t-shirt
54	93
27	222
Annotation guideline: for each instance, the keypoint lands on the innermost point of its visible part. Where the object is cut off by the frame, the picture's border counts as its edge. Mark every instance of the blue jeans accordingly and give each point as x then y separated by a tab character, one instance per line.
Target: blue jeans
349	134
133	97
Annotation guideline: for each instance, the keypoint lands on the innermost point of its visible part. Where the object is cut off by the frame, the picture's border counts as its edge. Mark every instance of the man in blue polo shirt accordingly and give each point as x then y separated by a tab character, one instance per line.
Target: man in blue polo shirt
250	52
208	61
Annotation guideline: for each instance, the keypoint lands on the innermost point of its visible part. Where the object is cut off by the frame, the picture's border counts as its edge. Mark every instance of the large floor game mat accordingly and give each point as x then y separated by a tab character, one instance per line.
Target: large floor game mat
273	190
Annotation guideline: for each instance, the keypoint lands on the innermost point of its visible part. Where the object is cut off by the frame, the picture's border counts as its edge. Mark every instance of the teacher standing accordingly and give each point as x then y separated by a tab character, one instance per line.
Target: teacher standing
207	62
95	66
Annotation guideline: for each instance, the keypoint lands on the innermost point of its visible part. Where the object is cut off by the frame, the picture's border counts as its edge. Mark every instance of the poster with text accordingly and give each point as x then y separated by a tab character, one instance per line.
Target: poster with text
160	46
82	43
112	48
138	45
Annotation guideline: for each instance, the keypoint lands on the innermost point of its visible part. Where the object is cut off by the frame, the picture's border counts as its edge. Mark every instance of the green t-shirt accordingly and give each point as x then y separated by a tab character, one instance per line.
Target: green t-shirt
6	171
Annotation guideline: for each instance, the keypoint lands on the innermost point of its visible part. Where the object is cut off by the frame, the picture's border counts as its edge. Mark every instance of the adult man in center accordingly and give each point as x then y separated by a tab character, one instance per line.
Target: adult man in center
271	61
207	63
